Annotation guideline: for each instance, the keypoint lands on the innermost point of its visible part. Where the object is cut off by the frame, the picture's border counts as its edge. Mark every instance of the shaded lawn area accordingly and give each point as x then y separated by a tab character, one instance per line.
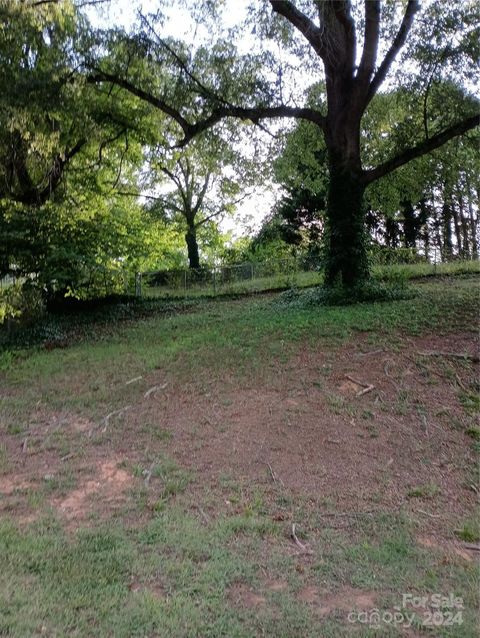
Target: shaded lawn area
151	472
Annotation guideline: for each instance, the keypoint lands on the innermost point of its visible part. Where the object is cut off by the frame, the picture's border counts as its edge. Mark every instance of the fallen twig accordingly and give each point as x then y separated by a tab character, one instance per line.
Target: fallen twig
370	352
335	514
460	384
297	542
295	538
148	473
114	413
367	387
133	380
472	546
426	368
154	389
275	479
428	514
454	355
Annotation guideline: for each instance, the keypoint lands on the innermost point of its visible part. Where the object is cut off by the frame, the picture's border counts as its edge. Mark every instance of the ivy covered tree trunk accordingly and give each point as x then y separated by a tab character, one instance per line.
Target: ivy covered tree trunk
347	262
192	247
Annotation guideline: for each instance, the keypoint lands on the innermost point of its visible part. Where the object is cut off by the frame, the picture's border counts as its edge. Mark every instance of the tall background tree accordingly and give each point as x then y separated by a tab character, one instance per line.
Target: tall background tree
359	45
204	182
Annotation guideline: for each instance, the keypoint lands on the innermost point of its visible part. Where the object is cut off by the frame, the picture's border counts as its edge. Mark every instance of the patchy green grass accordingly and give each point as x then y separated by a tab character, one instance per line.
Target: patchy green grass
231	334
178	577
428	491
414	271
470	531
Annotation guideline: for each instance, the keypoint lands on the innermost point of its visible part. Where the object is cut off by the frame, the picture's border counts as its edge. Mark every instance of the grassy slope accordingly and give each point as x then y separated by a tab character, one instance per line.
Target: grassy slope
393	272
172	575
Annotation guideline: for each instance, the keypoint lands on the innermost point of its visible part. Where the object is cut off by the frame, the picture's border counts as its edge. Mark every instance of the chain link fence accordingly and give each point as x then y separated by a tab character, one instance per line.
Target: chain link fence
232	279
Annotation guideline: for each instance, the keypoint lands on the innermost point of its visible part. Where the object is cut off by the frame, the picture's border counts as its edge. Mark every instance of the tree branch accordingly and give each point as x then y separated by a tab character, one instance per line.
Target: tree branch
412	7
191	130
342	12
370	43
171	175
103	76
423	148
307	28
201	195
254	114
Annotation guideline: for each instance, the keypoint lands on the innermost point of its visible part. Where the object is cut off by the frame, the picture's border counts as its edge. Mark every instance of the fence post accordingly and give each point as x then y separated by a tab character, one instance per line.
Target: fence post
214	281
138	284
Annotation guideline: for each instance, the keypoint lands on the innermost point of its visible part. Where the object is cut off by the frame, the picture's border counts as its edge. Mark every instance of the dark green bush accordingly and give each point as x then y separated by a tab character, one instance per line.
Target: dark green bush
369	292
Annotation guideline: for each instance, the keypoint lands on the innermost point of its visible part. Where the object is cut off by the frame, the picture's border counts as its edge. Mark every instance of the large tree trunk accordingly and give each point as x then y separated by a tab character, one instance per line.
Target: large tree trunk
473	221
456	225
424	229
464	228
192	246
447	230
347	262
391	233
410	227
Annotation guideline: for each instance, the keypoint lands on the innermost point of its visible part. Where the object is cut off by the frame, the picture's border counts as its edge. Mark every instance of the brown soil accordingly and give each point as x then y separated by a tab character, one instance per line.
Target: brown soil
107	486
346	599
304	430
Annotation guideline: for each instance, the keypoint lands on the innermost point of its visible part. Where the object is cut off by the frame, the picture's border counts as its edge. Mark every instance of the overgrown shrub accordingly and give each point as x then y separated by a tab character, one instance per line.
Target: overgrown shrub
20	302
368	292
384	255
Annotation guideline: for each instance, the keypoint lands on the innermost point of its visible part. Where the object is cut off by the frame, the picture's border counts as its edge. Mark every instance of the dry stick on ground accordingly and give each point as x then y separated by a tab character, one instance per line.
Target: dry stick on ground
360	513
370	352
275	478
367	387
472	546
133	380
428	514
422	365
154	389
203	515
474	358
303	547
460	384
148	473
389	377
114	413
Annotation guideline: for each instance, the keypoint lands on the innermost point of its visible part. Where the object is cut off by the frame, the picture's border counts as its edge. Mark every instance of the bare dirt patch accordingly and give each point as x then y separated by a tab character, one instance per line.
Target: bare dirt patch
107	487
240	595
302	431
347	599
377	447
9	485
448	549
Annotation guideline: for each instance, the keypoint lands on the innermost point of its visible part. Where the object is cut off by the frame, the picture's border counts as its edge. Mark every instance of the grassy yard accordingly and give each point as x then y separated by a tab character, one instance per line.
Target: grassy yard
243	468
